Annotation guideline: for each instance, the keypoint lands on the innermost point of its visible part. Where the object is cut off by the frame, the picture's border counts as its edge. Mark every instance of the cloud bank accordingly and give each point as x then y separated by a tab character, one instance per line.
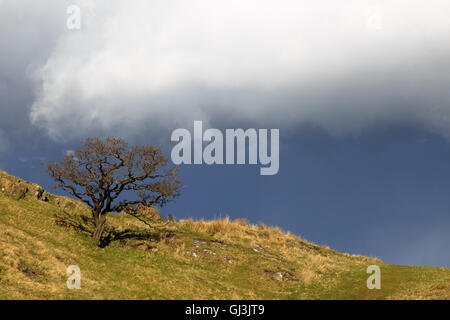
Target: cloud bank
342	67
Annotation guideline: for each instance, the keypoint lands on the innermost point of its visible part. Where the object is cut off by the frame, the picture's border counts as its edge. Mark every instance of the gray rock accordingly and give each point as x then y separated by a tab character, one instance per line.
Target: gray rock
258	248
209	252
14	189
278	276
41	194
200	243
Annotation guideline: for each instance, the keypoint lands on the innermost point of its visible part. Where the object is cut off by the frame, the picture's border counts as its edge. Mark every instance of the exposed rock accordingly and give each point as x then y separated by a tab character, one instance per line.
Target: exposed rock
258	248
14	189
201	243
218	244
278	276
195	255
230	260
209	252
41	194
281	275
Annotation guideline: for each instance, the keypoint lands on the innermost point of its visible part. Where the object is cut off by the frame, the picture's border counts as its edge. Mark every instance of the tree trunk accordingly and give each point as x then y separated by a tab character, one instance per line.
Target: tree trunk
99	221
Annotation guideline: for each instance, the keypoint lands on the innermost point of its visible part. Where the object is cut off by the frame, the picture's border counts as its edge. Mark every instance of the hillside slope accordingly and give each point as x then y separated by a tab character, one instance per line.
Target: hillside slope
42	234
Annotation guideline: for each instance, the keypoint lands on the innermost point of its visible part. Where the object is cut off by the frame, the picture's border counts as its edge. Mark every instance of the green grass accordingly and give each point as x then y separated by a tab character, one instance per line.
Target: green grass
218	259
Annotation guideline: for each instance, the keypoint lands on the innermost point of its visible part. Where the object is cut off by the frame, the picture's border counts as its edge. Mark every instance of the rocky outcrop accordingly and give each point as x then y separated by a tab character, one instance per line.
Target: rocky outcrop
41	194
15	189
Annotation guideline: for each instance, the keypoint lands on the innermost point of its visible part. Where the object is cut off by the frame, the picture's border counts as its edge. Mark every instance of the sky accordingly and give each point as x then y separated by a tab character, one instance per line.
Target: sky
358	90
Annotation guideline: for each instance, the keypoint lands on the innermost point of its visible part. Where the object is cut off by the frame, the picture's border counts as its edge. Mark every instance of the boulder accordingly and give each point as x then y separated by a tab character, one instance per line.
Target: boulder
14	189
281	275
41	194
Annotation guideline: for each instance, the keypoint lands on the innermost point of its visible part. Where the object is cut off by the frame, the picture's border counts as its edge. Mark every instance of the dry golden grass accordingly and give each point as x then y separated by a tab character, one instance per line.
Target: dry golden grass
242	222
223	225
188	259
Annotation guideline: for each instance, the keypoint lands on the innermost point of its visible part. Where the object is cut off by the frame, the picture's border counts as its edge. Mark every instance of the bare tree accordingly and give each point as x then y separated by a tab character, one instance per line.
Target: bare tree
105	174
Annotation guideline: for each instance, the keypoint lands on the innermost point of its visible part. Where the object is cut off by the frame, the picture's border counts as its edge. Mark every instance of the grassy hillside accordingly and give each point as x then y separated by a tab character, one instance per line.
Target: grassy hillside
187	259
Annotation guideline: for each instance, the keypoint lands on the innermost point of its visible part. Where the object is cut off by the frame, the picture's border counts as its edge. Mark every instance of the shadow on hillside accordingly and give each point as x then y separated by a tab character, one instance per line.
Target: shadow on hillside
129	234
77	222
84	224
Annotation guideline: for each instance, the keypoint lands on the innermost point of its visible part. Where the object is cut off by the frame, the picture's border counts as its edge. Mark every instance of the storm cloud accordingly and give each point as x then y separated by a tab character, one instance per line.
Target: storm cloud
342	67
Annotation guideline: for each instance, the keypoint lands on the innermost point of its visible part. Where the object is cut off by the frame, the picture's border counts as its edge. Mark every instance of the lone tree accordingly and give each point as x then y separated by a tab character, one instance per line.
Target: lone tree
104	174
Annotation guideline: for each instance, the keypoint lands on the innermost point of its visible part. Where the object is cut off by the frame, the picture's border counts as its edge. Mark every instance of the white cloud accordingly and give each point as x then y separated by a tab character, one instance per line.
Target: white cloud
136	64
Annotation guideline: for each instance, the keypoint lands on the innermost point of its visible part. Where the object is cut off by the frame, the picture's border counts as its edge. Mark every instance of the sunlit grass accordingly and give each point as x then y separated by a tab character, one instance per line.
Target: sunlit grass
186	259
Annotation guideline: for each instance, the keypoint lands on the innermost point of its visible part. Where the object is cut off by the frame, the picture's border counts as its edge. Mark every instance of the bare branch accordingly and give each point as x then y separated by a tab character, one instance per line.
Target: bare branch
103	173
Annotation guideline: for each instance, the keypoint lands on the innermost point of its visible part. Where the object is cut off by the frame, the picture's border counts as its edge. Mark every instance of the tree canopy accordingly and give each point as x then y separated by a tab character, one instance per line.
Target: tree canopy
110	176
